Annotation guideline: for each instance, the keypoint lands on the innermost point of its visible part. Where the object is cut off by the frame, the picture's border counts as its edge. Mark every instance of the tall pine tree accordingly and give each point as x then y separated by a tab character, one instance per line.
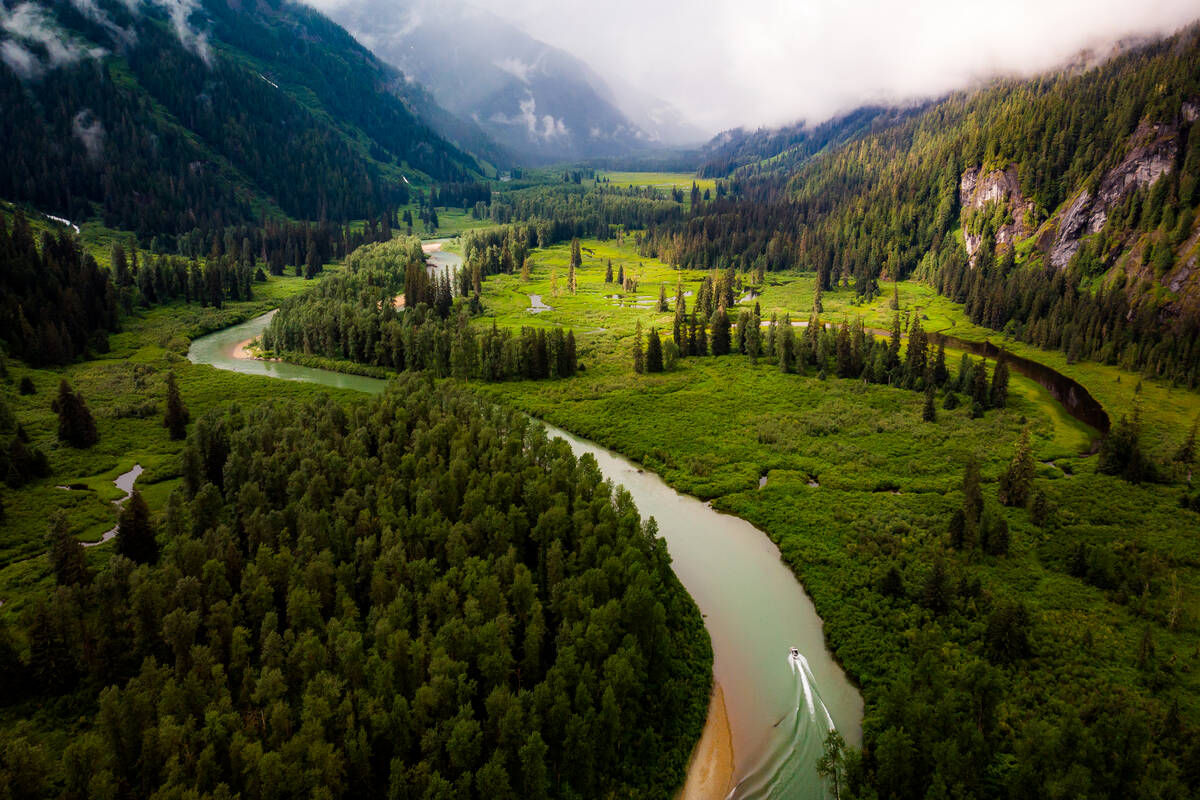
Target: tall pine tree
177	416
135	533
76	426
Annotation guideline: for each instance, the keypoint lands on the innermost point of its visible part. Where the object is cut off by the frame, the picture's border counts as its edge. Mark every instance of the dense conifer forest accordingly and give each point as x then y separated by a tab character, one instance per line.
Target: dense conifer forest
158	131
420	596
56	303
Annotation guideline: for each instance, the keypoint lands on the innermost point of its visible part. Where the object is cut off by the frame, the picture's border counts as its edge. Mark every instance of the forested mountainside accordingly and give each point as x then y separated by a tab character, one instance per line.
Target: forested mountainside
206	115
773	149
1061	209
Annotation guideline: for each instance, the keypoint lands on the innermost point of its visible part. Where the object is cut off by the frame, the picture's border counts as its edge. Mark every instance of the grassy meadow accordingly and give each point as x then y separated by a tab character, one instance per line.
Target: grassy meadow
659	180
857	482
125	391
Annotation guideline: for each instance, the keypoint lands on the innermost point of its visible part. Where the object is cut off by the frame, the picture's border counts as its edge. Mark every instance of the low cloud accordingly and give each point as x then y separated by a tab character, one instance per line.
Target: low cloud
517	68
180	13
19	59
32	42
92	11
90	131
726	63
29	30
544	127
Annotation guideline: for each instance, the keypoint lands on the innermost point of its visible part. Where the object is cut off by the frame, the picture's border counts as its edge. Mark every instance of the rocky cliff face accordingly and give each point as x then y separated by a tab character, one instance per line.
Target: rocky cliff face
977	190
1152	153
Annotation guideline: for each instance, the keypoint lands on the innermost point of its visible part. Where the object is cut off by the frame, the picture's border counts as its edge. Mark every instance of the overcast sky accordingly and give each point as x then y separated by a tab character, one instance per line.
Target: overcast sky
726	63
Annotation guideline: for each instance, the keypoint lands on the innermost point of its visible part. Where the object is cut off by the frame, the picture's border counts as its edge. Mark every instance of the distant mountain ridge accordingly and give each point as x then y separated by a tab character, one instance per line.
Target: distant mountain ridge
787	147
536	100
167	116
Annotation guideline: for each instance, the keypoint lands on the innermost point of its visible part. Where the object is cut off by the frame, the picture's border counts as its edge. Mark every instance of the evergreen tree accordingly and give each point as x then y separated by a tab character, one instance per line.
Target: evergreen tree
576	262
608	273
312	264
680	322
621	276
135	533
177	416
999	394
972	495
935	594
662	297
893	351
929	412
940	373
966	375
979	385
120	265
1121	451
701	347
66	553
994	535
785	348
639	356
754	336
654	352
1017	480
76	426
1007	634
917	354
720	333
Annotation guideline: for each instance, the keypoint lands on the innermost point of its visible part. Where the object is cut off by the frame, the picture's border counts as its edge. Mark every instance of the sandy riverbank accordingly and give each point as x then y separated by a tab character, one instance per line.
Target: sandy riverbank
250	350
244	350
710	772
431	247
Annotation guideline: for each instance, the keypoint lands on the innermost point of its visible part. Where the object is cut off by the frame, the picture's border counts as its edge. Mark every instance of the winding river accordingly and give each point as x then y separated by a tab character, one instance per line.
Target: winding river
770	711
1073	396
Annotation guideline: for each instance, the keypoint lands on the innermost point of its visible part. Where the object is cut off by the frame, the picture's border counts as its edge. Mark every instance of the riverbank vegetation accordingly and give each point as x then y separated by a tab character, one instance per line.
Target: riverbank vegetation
358	317
982	633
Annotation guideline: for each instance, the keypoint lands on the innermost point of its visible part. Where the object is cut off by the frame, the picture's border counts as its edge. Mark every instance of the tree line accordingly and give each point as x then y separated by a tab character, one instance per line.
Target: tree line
358	317
56	302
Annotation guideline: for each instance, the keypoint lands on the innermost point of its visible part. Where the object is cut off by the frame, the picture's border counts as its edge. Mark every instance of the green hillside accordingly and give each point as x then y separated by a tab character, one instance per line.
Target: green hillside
161	126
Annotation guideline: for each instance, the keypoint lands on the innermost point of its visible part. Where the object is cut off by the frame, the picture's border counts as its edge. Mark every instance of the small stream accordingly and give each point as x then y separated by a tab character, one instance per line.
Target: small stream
1070	393
124	482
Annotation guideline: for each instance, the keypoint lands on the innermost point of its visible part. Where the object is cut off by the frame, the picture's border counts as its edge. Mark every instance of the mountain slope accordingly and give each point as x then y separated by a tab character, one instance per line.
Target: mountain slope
774	150
536	100
163	120
1064	209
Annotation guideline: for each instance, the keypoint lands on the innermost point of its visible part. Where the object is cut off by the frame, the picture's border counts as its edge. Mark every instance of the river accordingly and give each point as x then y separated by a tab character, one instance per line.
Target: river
777	709
1076	399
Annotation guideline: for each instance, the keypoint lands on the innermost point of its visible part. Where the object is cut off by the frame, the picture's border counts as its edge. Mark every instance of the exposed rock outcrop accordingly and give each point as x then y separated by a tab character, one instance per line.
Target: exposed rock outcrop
1152	152
978	189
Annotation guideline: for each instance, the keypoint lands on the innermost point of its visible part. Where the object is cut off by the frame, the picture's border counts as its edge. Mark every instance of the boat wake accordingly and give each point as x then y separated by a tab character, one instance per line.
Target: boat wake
788	766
